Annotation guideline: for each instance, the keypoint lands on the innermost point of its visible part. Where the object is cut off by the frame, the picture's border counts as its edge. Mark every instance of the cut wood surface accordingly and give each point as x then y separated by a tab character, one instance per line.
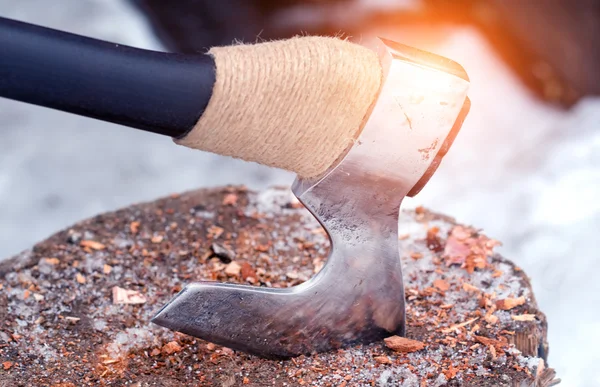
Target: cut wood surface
75	309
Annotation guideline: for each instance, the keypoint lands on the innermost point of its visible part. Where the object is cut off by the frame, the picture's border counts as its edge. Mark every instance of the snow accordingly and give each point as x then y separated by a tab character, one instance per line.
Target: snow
524	171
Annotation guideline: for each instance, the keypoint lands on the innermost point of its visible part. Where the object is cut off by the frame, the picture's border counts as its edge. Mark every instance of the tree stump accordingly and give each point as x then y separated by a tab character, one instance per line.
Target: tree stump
75	309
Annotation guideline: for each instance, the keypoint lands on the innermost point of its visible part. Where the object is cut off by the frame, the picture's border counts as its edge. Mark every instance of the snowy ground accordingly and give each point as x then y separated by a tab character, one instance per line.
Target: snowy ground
521	170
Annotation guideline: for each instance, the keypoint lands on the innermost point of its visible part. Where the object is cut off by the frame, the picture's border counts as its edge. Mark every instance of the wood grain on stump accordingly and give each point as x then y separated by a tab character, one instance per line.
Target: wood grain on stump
75	309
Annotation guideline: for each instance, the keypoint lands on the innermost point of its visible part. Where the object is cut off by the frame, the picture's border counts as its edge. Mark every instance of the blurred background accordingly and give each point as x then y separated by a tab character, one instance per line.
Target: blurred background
525	167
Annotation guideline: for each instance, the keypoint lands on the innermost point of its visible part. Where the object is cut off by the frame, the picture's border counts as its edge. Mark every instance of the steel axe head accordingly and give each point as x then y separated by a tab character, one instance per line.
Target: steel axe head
358	296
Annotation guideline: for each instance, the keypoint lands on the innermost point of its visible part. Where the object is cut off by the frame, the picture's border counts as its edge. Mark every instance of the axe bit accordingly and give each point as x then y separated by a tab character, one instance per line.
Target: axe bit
358	296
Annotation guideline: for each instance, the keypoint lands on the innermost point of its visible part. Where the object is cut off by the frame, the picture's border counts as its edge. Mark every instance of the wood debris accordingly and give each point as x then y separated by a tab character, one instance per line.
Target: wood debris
155	352
7	365
92	245
382	360
491	318
470	288
233	269
402	344
268	244
230	199
441	285
451	372
214	232
125	296
80	278
498	344
247	272
510	303
468	248
134	227
171	347
523	317
457	326
51	261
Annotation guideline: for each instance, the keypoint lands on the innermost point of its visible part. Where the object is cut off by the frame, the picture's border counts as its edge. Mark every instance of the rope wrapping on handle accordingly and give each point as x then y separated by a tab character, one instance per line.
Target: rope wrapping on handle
293	104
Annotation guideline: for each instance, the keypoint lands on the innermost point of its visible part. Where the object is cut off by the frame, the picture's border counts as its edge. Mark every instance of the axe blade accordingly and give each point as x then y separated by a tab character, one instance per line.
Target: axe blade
358	296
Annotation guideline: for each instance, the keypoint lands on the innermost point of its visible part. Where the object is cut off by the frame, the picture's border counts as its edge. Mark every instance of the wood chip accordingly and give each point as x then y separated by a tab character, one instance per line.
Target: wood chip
451	372
497	273
510	303
491	319
382	360
247	271
215	232
80	278
489	342
456	326
72	319
230	200
110	361
157	239
107	269
7	365
134	227
125	296
51	261
441	285
523	317
402	344
155	352
416	256
470	288
171	347
92	245
233	269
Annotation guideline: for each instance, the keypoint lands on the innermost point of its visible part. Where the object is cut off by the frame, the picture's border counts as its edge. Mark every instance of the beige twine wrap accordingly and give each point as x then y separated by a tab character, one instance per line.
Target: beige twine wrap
294	104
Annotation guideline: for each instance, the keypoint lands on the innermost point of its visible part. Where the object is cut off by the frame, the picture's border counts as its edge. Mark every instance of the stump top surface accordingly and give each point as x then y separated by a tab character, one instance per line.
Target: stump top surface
61	325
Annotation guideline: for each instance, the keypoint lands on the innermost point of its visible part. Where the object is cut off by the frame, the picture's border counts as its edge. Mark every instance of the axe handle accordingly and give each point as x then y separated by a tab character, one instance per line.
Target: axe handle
153	91
294	104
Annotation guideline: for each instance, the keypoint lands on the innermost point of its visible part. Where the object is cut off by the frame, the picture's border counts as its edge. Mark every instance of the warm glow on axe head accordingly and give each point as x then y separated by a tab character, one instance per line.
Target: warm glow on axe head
420	109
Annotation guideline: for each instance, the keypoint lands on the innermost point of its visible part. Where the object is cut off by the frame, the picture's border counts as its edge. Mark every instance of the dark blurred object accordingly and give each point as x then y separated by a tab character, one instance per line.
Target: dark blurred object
195	25
550	44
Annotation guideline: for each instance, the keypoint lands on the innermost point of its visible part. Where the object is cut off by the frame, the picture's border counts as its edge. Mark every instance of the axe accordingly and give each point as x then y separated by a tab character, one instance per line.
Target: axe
363	126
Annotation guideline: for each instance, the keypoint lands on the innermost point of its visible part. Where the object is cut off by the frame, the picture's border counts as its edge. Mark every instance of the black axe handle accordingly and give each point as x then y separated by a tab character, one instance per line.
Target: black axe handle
158	92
